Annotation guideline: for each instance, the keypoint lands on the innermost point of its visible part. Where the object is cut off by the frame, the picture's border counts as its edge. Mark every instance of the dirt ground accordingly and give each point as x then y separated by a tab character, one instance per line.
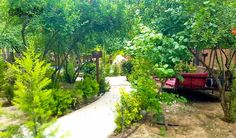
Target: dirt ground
201	117
9	115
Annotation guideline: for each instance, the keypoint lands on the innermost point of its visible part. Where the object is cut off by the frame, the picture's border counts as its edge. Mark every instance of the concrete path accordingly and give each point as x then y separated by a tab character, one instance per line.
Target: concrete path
97	119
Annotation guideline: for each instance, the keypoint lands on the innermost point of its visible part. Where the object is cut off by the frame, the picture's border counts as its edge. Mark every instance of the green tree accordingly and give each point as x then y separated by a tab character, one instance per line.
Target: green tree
30	95
210	27
204	25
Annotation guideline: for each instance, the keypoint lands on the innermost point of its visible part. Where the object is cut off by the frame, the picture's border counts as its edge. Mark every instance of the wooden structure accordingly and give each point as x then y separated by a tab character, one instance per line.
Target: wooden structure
96	55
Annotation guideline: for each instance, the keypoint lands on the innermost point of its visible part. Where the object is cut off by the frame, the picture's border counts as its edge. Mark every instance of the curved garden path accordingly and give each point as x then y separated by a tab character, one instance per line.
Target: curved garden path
95	120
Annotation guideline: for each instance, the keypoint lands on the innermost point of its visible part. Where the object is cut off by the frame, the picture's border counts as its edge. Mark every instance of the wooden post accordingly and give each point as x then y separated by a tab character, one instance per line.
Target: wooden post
97	69
97	55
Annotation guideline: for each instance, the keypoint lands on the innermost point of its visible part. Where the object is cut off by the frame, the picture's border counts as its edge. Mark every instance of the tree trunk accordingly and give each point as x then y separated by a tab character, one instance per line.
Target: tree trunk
225	102
224	105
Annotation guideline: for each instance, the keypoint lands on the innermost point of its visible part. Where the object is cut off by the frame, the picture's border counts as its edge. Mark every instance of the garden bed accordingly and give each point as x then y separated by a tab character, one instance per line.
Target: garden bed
198	118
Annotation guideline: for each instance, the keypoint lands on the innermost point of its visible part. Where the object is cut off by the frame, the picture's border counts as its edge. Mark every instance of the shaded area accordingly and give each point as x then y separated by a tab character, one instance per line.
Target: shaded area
197	95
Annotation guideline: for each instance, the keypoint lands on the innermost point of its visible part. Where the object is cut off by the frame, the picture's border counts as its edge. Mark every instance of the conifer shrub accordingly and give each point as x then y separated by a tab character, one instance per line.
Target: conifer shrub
31	95
88	87
103	85
68	71
62	102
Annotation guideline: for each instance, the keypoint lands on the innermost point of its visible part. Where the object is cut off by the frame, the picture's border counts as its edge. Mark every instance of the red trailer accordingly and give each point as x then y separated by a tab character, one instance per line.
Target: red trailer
191	81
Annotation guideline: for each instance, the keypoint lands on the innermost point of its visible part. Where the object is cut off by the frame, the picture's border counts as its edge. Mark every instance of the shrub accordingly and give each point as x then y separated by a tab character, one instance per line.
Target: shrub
88	87
69	71
144	97
116	70
127	67
31	96
77	96
62	101
12	131
128	110
103	85
8	82
89	69
232	103
8	92
2	68
184	67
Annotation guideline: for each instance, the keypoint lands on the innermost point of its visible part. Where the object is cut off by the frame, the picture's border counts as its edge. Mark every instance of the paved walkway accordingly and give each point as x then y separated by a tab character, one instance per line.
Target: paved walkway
97	119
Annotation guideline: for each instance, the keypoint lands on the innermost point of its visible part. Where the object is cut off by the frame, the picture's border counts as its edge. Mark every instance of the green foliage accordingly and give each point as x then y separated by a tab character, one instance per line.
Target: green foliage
89	69
8	92
216	18
232	103
62	101
128	111
7	83
127	67
147	91
163	72
2	68
69	71
143	98
23	8
88	87
30	95
10	131
144	62
115	70
77	95
183	67
103	85
157	48
170	98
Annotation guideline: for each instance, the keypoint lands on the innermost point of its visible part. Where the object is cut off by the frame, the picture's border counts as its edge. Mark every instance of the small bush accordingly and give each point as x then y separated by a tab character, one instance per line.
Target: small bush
232	103
2	68
128	111
31	95
77	95
62	101
12	131
184	67
8	92
127	68
7	81
69	71
88	87
89	69
103	85
115	70
144	98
